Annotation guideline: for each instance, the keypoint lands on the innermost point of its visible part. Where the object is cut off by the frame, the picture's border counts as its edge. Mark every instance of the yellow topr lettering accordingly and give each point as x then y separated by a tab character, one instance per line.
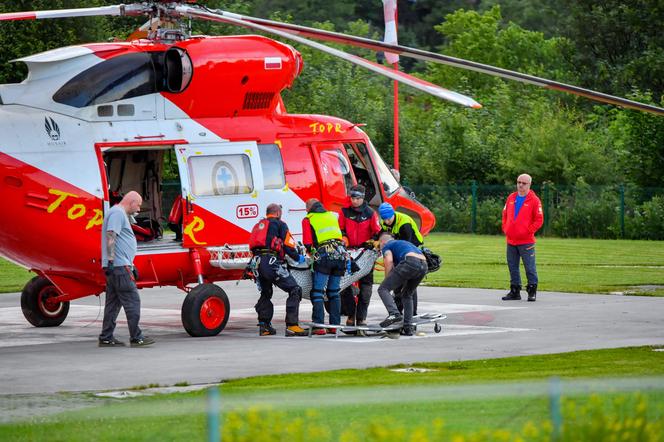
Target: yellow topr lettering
196	225
76	211
329	127
61	197
338	129
96	220
313	127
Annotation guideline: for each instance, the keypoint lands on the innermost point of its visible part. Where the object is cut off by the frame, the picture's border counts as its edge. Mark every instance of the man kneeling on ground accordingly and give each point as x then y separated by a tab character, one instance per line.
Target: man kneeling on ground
405	266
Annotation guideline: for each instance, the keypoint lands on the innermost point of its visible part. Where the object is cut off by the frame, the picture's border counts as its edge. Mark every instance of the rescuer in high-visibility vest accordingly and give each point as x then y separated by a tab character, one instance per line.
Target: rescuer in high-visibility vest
400	225
403	227
270	241
322	236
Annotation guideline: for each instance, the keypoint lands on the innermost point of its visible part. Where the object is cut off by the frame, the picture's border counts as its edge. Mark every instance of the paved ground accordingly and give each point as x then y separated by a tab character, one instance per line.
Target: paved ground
479	325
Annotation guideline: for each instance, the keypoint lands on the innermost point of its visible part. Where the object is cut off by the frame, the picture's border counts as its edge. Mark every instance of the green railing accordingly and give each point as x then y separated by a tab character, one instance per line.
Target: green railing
611	211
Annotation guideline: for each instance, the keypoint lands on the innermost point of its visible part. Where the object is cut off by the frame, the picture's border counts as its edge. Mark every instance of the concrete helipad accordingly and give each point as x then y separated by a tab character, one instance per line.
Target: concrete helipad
478	325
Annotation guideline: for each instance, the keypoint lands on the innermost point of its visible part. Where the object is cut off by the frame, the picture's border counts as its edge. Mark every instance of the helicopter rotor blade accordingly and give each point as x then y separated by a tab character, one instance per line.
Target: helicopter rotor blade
419	54
375	67
80	12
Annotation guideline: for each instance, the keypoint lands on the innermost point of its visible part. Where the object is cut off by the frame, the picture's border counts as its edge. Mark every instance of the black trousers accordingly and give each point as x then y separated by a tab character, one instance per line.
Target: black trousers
273	271
407	274
359	310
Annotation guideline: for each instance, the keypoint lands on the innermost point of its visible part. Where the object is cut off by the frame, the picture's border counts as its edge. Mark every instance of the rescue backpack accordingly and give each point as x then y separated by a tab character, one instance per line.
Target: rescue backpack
258	236
433	261
258	239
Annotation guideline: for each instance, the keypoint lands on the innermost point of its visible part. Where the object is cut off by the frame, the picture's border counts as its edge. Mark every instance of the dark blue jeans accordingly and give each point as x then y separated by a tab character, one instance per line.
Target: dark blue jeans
324	284
121	292
525	253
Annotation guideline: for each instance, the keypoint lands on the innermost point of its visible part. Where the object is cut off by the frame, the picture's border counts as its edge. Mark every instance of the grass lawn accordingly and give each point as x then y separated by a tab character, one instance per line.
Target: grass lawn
566	265
340	400
13	277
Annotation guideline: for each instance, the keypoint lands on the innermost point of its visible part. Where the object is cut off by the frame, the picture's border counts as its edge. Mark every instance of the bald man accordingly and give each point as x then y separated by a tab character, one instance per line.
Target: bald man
522	217
118	249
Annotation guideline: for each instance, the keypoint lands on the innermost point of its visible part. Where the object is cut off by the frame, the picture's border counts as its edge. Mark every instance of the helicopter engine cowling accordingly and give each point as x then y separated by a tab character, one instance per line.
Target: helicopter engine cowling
232	76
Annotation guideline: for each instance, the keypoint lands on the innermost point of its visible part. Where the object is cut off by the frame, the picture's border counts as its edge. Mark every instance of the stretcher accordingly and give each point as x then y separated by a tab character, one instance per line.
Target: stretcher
364	258
393	331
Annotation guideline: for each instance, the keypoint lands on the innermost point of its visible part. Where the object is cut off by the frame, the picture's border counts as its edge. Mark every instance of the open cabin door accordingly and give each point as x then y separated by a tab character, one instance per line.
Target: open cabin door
220	188
335	174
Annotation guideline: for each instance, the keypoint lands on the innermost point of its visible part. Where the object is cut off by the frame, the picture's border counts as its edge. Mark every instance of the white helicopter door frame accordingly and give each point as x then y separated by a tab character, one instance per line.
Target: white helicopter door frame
221	183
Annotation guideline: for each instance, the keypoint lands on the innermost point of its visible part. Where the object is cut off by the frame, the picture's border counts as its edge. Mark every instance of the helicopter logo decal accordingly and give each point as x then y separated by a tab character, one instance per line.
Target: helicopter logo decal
52	128
224	179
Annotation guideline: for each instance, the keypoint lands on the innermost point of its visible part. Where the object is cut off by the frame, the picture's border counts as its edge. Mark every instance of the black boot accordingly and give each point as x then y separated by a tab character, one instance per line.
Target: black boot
266	329
514	294
532	292
407	330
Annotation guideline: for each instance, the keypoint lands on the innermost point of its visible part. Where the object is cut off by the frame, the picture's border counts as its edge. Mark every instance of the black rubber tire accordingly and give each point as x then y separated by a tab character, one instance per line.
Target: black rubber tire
35	310
437	328
196	301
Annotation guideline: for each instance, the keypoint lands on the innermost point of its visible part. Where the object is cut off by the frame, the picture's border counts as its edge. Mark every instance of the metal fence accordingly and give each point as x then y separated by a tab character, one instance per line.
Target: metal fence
610	211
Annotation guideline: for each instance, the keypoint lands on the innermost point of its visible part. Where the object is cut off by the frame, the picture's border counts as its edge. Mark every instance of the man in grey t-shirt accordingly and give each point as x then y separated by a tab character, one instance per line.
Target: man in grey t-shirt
118	249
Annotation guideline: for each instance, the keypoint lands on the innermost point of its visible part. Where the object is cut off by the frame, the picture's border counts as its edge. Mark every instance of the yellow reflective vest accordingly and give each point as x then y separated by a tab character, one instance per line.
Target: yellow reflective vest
326	226
401	219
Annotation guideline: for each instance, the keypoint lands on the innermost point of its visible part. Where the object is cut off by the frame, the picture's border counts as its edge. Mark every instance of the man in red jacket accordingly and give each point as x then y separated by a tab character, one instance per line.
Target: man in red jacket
522	217
359	224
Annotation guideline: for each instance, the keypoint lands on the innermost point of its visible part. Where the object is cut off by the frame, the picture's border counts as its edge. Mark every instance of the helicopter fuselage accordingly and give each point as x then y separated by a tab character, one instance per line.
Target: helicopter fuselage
95	120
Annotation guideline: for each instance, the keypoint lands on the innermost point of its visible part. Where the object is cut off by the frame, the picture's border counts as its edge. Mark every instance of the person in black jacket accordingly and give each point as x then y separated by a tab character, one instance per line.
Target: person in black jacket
270	241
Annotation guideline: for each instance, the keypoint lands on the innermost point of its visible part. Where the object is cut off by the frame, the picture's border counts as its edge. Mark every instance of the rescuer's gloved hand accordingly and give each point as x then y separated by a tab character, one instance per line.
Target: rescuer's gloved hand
301	259
370	244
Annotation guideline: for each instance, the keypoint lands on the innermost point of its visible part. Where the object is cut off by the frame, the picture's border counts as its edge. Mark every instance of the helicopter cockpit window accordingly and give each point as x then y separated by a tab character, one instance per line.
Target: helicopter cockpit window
119	78
212	175
390	184
272	165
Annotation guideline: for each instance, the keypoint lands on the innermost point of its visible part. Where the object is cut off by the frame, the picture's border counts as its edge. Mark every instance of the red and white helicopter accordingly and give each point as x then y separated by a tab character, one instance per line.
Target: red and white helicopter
97	119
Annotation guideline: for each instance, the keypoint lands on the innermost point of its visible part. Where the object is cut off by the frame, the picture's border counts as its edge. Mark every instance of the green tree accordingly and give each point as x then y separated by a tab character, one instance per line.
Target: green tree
482	38
553	144
620	44
640	141
27	37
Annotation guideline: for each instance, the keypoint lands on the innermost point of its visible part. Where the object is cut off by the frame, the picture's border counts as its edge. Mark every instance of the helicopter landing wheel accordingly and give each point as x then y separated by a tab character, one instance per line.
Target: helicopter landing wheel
38	306
205	310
